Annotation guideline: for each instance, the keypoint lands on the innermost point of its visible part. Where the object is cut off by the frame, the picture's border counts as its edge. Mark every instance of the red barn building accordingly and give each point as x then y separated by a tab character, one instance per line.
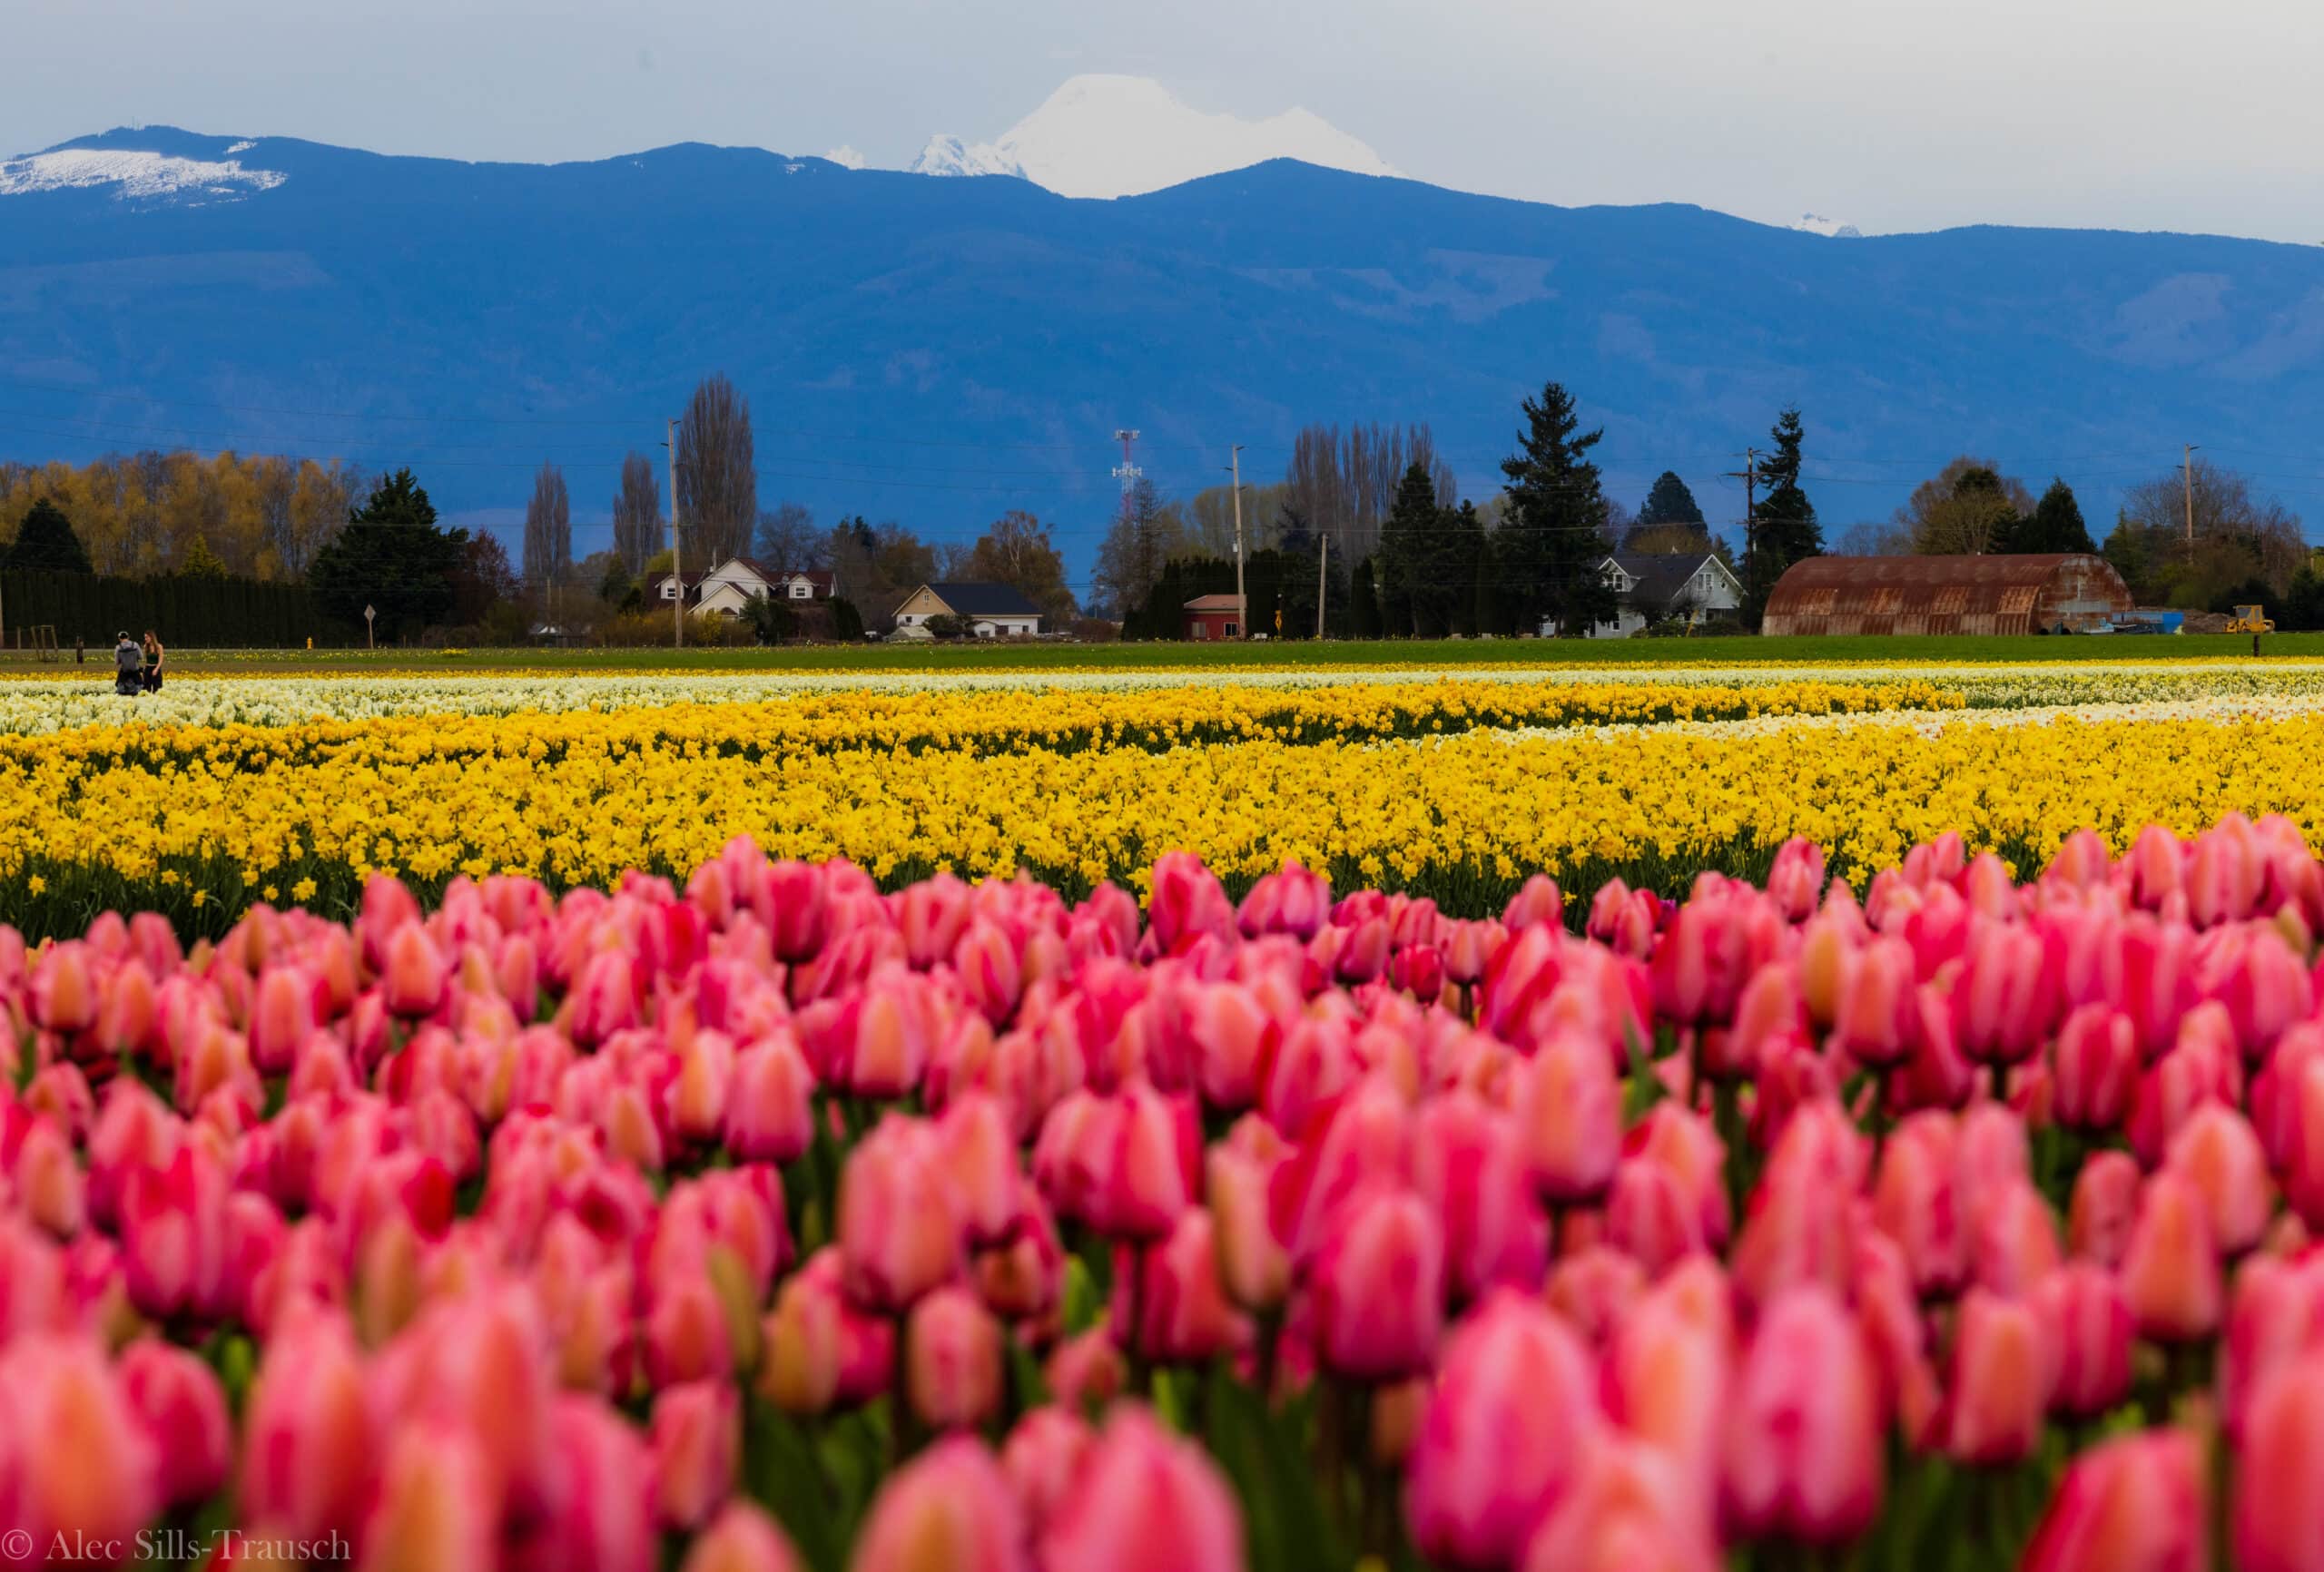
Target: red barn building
1213	617
2048	593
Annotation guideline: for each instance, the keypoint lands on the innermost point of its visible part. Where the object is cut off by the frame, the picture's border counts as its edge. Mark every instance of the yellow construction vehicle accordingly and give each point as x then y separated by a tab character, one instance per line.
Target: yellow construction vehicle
2251	620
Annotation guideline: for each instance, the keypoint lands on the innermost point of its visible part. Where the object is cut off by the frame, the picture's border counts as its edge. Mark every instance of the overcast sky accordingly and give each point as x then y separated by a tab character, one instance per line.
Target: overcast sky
1893	115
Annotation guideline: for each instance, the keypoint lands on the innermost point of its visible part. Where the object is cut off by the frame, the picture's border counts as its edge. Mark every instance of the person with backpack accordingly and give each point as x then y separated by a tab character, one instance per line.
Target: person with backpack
128	663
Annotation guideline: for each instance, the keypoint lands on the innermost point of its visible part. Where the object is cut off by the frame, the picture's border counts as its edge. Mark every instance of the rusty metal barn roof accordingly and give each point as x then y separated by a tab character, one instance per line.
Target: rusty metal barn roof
1944	594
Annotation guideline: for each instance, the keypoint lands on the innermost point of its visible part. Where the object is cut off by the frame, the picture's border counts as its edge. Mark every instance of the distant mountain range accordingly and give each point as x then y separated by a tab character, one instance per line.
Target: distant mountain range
937	350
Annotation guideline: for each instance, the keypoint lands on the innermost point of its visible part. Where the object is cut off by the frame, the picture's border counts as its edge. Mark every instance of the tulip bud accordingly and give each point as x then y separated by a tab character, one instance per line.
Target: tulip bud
1042	1459
1378	1287
2171	1273
741	1538
1593	1290
1467	1162
1187	903
2005	999
2088	1322
1872	1020
1253	1269
898	1235
1513	1411
697	1438
952	1359
1120	1163
434	1509
1145	1498
2281	1474
2095	1068
2217	1153
1179	1313
978	1158
949	1509
1803	1445
1568	1119
2135	1504
2004	1370
1629	1508
2105	1205
770	1115
413	982
1087	1370
76	1461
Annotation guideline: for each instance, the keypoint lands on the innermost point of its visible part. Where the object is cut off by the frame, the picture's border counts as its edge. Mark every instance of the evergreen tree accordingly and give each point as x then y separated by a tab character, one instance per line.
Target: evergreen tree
1463	560
1364	602
392	557
2054	524
1669	503
847	623
1553	533
45	543
1784	528
1411	541
201	562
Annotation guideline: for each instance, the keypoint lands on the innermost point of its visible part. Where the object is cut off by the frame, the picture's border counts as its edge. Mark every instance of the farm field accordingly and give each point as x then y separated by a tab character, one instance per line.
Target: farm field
1763	1108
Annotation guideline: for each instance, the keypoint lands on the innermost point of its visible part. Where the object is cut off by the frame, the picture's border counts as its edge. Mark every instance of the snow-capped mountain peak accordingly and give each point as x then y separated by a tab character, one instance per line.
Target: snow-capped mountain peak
1109	137
950	155
135	172
1833	229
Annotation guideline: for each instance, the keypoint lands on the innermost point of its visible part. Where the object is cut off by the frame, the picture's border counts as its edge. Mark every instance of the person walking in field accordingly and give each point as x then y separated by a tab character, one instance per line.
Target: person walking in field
127	679
154	656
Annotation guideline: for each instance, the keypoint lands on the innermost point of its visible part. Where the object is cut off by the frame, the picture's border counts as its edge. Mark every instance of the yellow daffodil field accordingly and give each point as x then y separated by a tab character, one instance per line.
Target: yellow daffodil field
224	793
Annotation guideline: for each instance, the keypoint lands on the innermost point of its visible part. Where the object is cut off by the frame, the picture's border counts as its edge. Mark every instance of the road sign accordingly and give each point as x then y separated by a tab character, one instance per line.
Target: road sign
368	612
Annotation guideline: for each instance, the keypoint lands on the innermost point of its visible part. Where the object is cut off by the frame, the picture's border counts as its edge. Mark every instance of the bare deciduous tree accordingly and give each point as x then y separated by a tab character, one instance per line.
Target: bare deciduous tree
548	533
787	540
637	514
1343	485
718	485
2226	513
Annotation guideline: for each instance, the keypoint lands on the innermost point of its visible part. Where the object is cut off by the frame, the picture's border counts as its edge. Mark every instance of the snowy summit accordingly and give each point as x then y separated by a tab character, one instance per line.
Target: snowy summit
134	174
1110	136
1832	229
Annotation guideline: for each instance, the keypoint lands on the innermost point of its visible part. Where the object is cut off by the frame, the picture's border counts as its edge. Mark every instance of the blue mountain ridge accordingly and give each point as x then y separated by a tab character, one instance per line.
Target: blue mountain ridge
936	350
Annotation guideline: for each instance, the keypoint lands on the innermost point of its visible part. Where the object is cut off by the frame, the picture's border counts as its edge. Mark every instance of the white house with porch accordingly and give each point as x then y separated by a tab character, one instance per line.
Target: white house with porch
991	611
1652	587
733	584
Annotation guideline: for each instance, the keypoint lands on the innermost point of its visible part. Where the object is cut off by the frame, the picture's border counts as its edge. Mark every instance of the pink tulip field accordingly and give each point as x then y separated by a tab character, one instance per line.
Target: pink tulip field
777	1222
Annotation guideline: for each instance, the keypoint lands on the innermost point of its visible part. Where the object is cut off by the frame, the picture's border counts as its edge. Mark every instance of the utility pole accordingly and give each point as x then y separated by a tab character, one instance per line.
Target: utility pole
677	579
1323	581
1242	606
2189	486
1749	476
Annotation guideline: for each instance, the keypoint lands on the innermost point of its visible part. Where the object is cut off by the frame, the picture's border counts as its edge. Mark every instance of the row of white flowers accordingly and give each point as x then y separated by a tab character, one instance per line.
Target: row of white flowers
32	707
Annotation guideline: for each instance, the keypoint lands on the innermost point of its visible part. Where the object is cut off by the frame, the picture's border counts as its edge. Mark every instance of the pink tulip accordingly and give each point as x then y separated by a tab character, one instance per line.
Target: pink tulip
769	1106
1180	1313
1378	1287
1803	1449
1568	1116
78	1459
282	1017
1594	1290
1468	1163
1120	1164
1145	1501
741	1538
1873	1017
2217	1153
1042	1459
2005	999
2005	1369
2135	1504
1629	1508
1538	902
601	1504
413	981
2171	1273
979	1157
948	1510
696	1440
1188	903
2105	1205
434	1512
1667	1377
2087	1322
2013	1242
1513	1411
1796	878
178	1400
899	1237
2280	1473
173	1236
1292	900
2095	1069
1253	1269
952	1359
